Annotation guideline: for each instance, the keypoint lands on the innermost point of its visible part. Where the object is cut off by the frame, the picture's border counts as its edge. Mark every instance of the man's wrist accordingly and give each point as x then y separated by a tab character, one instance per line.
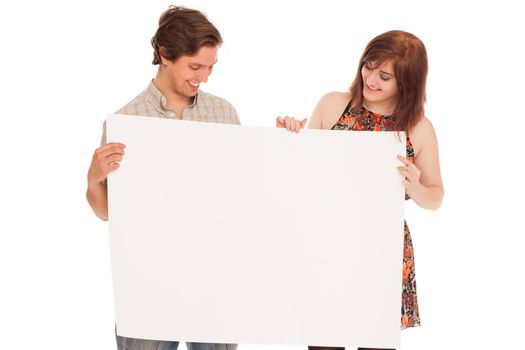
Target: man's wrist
96	186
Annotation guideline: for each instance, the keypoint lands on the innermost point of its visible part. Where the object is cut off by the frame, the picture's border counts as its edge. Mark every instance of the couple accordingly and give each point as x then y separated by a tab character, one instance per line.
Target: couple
388	93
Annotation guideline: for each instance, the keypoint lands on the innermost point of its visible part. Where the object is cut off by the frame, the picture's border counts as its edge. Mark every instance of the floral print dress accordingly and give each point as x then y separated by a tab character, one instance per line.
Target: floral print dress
366	120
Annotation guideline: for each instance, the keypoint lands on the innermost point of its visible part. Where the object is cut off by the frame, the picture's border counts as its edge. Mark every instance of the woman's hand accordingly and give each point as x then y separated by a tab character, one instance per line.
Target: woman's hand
411	174
290	123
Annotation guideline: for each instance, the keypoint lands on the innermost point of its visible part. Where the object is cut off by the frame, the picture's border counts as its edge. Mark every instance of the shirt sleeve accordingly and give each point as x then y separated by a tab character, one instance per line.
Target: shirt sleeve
103	139
234	116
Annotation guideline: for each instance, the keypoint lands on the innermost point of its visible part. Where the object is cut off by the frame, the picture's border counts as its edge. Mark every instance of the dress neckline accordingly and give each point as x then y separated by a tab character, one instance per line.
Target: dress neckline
363	108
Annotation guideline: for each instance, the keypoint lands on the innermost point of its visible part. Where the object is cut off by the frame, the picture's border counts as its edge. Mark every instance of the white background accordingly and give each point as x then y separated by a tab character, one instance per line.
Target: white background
65	65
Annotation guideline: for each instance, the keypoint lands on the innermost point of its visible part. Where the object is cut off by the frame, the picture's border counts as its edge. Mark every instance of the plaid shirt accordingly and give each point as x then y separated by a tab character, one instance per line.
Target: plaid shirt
205	108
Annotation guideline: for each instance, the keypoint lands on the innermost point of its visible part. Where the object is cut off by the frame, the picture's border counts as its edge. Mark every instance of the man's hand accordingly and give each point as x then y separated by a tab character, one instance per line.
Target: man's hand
105	160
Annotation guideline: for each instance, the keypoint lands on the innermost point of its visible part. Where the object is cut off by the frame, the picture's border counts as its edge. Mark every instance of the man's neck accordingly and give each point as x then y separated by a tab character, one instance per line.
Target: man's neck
174	101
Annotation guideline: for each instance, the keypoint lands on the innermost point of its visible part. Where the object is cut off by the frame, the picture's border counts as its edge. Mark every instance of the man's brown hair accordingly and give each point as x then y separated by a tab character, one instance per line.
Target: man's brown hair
182	31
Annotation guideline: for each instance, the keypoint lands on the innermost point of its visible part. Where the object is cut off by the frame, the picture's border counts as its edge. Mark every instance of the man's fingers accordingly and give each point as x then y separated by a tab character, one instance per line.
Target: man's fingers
114	158
108	150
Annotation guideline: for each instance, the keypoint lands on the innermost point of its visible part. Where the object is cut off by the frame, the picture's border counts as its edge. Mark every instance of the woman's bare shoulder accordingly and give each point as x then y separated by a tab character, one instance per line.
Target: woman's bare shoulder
422	129
330	108
336	97
423	135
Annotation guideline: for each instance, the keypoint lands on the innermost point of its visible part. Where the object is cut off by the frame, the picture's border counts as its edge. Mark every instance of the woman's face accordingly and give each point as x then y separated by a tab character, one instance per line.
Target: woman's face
380	86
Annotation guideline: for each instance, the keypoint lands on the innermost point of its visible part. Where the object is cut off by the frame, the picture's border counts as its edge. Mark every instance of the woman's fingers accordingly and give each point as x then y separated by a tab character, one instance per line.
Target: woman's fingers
290	123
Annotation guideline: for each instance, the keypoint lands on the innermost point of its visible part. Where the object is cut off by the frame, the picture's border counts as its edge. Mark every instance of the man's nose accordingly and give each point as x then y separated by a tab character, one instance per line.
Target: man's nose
203	76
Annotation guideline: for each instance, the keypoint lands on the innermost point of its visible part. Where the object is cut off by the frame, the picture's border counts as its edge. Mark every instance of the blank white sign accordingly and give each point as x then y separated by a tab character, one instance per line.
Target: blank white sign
229	234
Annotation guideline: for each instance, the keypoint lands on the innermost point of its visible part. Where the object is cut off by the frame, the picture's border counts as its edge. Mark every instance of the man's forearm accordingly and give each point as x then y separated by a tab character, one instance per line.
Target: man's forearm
97	197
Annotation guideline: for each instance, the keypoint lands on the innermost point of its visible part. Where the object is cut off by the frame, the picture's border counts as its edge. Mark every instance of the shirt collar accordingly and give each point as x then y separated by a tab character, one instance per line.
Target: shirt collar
160	99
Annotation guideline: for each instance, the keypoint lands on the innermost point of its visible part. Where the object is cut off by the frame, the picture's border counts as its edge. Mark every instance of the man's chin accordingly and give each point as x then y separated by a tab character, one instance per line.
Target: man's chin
191	94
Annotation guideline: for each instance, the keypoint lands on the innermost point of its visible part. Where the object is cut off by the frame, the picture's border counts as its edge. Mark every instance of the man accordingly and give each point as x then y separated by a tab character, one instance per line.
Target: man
185	48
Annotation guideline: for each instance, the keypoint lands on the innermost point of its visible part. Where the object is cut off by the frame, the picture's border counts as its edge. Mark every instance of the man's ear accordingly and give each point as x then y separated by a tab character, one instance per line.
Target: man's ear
163	53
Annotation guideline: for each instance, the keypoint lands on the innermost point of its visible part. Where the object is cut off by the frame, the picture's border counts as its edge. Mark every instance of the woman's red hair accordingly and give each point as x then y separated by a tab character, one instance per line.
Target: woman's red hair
409	58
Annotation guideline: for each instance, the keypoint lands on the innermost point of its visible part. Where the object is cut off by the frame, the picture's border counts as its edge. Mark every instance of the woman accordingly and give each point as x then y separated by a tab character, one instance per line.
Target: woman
388	94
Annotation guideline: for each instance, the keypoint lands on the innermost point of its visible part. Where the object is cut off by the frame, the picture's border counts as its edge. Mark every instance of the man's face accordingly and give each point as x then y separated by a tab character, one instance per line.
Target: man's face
187	72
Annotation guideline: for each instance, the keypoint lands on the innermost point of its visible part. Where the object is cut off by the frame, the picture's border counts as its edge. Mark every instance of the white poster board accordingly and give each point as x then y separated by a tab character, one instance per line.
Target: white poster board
229	234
